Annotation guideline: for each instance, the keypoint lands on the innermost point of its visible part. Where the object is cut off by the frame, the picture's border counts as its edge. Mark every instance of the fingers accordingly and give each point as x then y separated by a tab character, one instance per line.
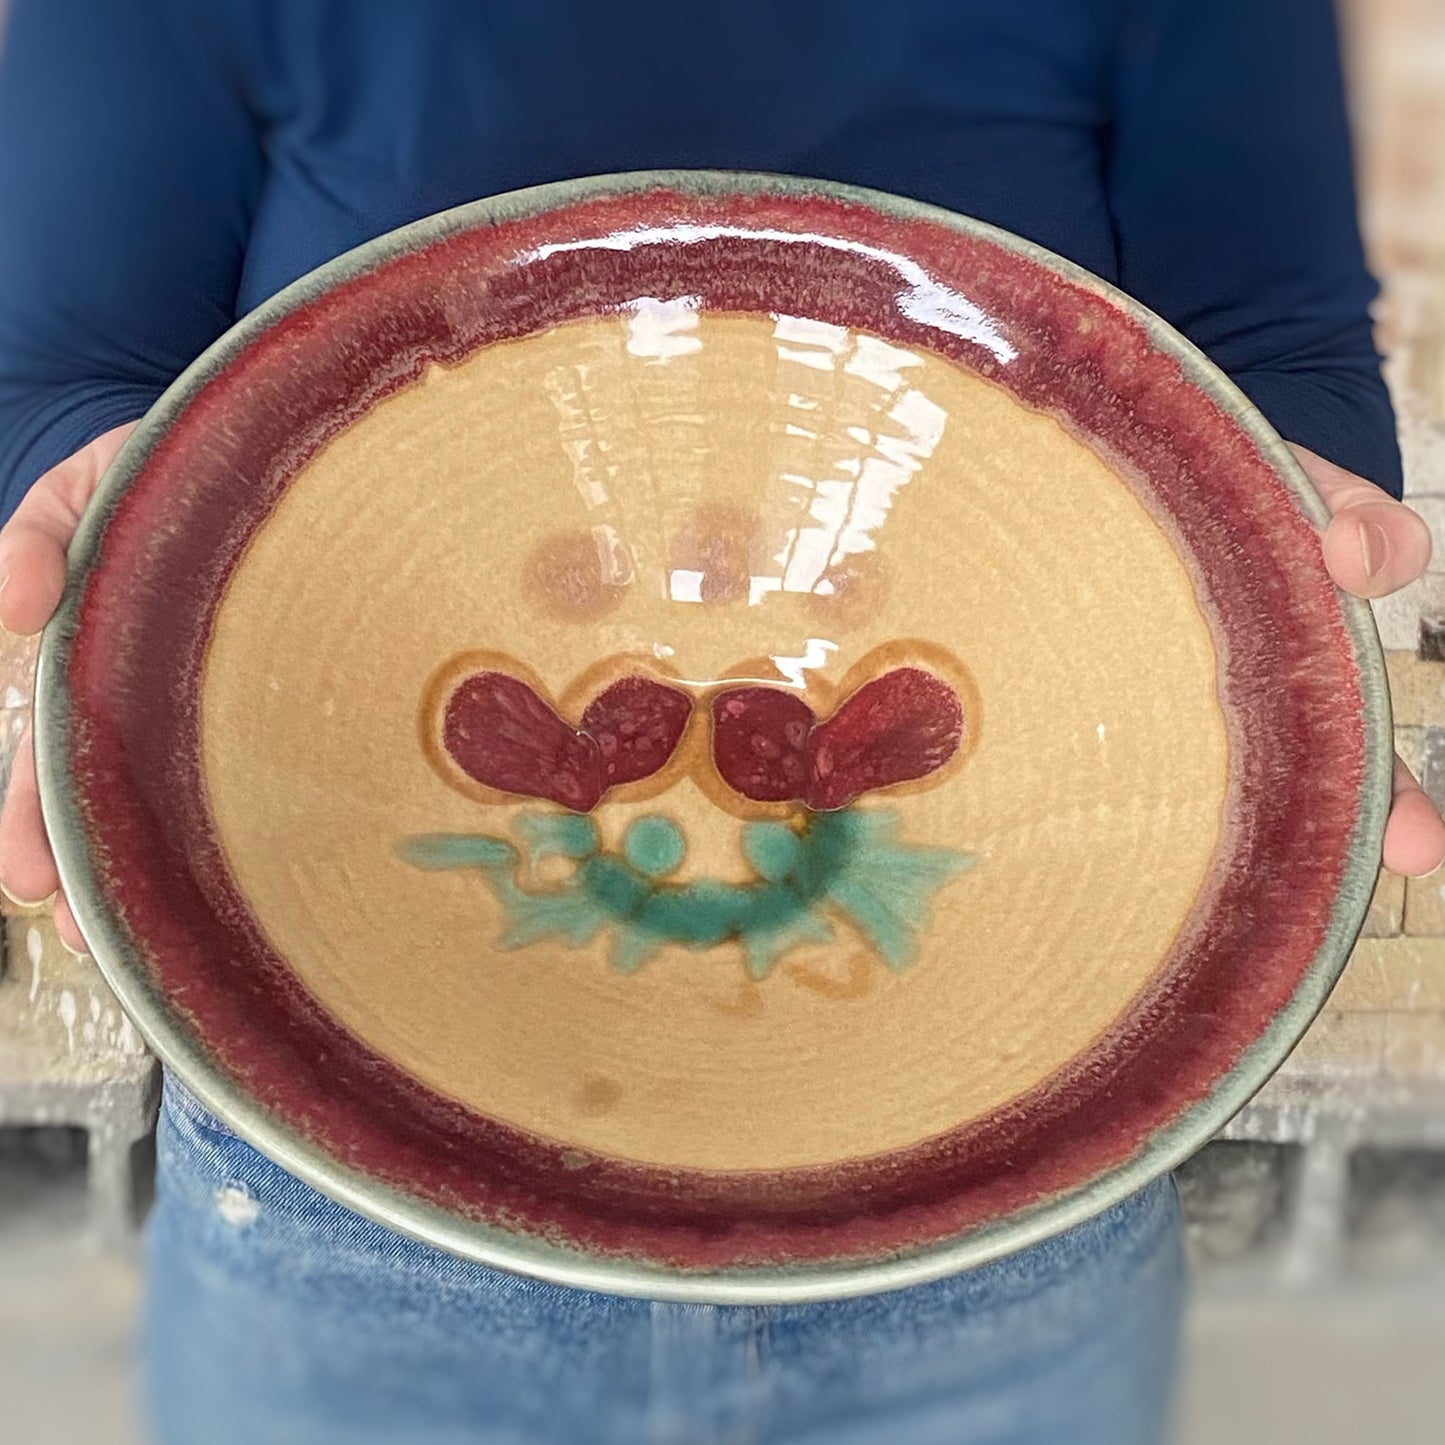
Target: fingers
33	545
66	926
1373	545
33	542
32	577
1414	834
27	866
33	566
1373	548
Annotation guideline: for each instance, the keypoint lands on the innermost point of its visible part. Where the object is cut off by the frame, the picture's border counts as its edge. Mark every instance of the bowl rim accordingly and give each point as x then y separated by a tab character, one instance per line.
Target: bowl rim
180	1050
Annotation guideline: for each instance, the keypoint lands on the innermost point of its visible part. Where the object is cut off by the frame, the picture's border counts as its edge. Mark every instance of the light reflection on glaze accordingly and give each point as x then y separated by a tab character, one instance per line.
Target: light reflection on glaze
927	300
658	329
847	510
836	484
816	653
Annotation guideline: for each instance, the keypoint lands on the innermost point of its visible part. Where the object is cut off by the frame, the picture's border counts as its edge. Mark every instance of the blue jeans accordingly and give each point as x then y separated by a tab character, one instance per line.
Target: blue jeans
276	1317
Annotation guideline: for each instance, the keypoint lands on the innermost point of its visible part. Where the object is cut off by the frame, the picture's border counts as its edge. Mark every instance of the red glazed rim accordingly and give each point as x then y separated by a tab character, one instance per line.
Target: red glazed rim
118	741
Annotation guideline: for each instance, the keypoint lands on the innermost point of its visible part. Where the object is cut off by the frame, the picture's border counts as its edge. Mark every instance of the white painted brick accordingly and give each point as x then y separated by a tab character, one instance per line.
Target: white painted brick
1398	616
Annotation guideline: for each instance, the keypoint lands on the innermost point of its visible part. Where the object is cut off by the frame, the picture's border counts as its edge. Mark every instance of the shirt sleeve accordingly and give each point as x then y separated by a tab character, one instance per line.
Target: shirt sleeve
129	169
1232	190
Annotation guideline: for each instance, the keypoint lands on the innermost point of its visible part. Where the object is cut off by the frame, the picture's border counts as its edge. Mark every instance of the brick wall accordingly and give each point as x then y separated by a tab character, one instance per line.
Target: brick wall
1343	1152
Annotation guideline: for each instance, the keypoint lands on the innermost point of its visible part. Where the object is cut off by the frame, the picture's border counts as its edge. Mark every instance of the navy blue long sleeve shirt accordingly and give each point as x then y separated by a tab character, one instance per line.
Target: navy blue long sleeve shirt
165	165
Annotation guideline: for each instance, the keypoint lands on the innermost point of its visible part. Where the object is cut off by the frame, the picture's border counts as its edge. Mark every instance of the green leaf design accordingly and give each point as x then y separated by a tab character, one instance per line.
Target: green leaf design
850	863
885	887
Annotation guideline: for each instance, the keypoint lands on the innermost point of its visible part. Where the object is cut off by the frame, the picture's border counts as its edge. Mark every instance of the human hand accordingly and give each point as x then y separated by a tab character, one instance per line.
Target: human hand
1373	546
33	544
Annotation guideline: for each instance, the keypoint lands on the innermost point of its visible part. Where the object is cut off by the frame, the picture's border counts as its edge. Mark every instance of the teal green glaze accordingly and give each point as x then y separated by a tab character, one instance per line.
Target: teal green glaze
654	845
772	848
434	851
888	895
563	835
849	864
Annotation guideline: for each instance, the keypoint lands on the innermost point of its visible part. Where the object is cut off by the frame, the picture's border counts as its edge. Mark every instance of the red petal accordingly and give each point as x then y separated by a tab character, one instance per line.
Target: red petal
903	725
637	724
498	731
760	742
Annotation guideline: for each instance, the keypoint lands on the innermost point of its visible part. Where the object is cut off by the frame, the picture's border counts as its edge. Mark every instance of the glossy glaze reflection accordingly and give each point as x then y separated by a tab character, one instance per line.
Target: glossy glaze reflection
958	822
322	1074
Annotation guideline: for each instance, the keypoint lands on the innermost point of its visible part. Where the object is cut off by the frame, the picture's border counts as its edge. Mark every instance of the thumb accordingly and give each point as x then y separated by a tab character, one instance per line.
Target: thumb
33	542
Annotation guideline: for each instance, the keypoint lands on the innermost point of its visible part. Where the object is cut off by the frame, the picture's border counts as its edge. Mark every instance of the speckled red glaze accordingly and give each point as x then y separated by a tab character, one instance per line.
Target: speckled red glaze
768	745
1291	686
501	733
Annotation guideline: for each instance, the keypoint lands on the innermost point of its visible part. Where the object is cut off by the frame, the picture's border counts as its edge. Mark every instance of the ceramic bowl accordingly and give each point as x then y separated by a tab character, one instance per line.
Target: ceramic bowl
713	736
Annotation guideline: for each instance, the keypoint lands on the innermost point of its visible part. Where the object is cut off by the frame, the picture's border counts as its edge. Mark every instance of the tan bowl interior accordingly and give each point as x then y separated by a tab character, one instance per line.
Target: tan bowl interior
710	495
